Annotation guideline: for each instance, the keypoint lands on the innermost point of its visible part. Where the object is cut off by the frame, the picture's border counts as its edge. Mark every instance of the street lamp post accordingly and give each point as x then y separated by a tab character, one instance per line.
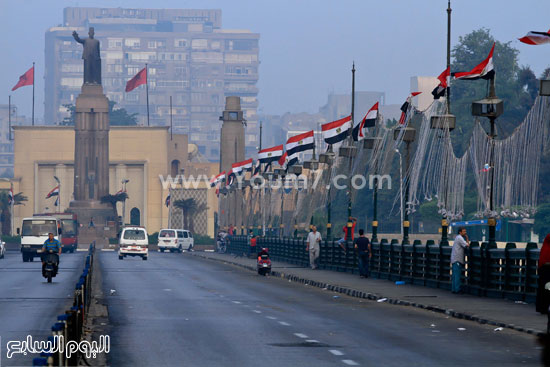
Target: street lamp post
124	182
407	134
400	187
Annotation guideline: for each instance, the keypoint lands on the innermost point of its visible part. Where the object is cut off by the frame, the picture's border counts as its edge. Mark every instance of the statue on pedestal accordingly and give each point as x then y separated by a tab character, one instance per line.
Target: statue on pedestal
91	57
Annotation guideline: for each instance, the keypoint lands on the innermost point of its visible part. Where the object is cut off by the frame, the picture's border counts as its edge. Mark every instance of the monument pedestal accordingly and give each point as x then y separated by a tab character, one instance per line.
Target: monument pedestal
91	167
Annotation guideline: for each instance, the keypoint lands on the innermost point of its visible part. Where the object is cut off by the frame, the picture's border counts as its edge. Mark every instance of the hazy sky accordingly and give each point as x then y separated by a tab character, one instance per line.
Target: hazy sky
306	46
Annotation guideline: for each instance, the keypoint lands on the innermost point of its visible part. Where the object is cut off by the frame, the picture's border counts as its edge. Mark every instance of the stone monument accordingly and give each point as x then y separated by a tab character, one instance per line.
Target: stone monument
91	153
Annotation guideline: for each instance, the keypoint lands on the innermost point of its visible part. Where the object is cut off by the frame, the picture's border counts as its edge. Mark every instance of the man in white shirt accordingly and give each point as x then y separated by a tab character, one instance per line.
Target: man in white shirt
461	242
313	246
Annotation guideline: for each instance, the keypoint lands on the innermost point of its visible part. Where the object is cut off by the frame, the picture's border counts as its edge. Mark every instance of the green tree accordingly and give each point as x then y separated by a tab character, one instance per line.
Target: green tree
117	116
5	214
542	221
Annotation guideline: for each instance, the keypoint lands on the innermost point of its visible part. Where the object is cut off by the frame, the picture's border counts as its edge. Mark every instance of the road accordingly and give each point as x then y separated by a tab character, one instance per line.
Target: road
180	310
28	304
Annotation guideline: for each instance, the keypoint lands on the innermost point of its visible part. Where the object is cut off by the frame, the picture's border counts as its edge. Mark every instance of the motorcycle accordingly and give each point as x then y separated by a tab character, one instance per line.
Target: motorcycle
51	262
221	245
264	263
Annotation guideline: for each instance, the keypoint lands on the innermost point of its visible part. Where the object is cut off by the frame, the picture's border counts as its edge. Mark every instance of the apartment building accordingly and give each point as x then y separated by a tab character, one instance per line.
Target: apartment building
189	57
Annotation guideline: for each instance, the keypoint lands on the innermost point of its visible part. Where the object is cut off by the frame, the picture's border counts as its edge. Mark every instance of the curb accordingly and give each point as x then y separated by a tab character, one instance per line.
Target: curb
374	297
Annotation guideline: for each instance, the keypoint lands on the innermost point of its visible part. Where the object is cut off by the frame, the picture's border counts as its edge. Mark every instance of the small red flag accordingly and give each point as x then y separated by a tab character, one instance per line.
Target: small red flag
139	79
25	79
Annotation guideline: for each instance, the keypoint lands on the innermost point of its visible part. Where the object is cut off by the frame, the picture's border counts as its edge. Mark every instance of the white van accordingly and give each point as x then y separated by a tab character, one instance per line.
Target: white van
133	241
187	239
170	240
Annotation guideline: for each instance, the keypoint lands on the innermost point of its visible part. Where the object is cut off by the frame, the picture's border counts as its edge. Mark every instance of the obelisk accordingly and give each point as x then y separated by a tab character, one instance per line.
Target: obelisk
91	153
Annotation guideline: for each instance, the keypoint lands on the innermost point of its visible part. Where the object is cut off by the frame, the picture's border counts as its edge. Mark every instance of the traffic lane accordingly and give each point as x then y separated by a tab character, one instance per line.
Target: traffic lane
378	333
29	305
161	314
205	313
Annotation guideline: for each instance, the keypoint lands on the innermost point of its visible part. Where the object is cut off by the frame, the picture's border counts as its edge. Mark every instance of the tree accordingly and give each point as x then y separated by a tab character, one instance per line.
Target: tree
196	210
117	117
187	206
5	214
114	199
542	221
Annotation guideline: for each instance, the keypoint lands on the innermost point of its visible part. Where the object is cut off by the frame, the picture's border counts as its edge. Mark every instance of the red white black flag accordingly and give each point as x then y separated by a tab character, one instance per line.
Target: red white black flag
239	167
443	78
406	107
485	70
536	38
269	155
336	131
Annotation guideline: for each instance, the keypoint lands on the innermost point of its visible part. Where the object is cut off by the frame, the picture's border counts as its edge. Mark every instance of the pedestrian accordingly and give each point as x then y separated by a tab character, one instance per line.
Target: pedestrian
460	243
92	225
347	237
364	253
543	295
252	251
313	246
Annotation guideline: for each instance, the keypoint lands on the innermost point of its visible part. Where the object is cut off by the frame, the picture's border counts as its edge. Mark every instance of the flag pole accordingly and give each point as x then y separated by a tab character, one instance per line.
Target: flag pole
9	117
11	208
33	93
448	97
147	91
171	118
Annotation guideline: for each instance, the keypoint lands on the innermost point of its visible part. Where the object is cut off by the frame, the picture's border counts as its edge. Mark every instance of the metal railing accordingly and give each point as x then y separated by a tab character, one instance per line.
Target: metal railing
70	325
508	272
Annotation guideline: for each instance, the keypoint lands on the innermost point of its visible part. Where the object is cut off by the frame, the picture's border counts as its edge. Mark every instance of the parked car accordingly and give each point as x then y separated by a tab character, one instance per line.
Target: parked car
133	241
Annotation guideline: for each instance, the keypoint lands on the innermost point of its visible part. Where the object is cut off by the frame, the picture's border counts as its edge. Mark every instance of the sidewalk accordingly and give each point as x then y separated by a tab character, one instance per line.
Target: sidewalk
498	312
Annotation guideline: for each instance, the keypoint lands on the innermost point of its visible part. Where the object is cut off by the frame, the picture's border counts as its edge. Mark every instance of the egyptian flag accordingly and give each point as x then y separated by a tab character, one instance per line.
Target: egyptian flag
217	179
536	38
139	79
336	131
283	161
239	167
257	167
56	202
300	143
269	155
368	121
485	70
405	108
167	201
25	79
231	178
54	192
10	196
443	78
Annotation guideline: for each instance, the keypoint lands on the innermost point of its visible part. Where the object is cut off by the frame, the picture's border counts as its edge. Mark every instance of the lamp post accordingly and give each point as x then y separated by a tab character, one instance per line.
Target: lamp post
400	187
124	182
407	134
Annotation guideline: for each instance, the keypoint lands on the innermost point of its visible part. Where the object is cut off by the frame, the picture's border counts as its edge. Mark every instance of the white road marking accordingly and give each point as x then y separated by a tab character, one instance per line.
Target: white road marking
312	341
167	290
350	362
303	336
284	323
236	302
271	317
336	352
257	311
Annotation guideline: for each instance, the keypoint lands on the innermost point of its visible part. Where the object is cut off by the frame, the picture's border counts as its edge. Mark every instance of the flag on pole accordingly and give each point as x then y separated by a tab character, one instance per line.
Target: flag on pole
405	108
269	155
257	167
239	167
336	131
485	70
53	192
536	38
217	179
368	121
283	161
56	201
167	201
300	143
139	79
25	79
10	195
441	88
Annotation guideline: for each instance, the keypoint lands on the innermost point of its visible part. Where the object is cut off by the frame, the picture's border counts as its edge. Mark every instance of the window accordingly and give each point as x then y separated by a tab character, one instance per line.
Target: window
114	42
132	42
134	234
199	44
72	82
167	233
180	43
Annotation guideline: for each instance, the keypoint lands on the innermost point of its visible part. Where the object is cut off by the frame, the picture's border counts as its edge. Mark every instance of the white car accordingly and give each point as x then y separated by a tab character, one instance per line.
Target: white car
170	240
2	249
133	241
187	240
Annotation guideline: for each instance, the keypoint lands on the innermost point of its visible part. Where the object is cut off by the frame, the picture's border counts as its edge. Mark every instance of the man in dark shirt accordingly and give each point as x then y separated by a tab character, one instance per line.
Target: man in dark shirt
364	253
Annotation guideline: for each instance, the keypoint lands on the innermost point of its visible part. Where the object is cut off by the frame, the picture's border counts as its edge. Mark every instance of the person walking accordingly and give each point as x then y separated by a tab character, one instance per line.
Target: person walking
313	246
364	253
461	242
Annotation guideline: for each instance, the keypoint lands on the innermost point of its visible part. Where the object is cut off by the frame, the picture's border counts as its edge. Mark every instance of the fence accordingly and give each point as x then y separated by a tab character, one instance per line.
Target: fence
70	325
507	272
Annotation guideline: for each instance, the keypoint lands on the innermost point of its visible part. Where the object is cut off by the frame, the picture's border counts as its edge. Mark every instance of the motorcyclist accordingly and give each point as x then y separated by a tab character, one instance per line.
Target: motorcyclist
51	244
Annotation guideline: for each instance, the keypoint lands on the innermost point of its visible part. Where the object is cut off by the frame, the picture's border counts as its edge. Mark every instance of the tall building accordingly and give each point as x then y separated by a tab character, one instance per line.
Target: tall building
6	140
189	56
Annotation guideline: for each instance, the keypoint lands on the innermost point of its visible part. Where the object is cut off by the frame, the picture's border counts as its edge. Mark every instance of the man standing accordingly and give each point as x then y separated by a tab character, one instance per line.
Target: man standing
364	253
252	251
91	57
313	246
461	242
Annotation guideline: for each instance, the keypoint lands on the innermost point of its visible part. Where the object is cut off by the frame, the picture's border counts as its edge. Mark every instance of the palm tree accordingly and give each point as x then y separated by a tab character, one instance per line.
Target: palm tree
186	206
195	211
5	214
114	199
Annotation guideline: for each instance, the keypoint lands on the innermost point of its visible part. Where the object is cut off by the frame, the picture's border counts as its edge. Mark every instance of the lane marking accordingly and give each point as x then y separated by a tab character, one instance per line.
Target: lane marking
236	302
312	341
257	311
303	336
271	317
284	323
336	352
350	362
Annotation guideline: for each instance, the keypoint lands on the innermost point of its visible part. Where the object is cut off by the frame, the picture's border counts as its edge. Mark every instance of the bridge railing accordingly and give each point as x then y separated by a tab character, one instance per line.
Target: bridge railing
489	271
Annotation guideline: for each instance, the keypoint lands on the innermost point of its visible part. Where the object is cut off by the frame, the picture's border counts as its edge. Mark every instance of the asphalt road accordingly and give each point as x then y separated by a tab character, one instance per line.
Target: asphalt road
180	310
28	304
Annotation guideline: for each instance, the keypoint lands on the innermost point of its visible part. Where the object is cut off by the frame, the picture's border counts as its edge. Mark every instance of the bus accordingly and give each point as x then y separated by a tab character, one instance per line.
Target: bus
69	225
34	232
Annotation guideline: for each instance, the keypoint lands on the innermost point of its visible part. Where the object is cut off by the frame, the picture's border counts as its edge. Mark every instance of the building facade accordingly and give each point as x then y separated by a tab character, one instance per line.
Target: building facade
146	156
189	57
